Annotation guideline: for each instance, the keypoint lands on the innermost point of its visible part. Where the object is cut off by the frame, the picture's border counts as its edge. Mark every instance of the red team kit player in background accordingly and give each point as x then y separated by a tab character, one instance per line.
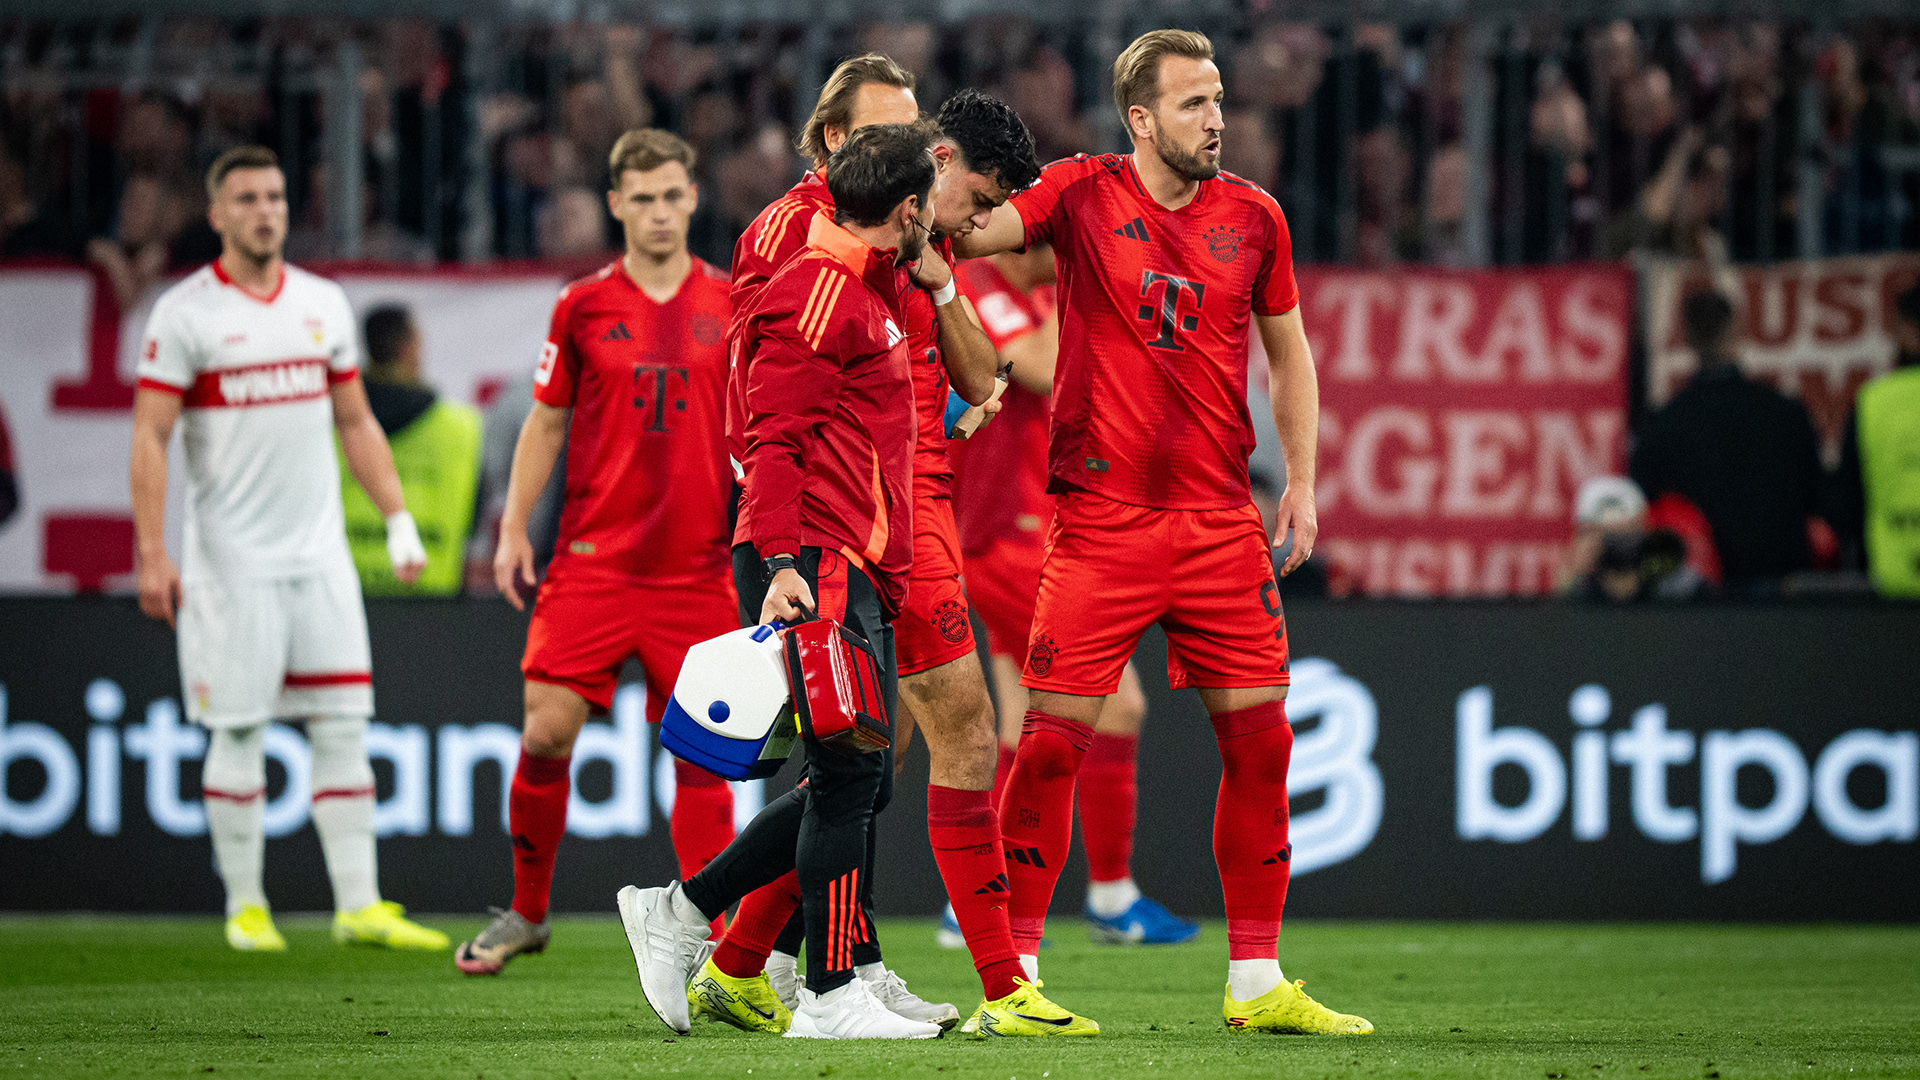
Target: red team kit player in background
1004	513
635	357
1165	263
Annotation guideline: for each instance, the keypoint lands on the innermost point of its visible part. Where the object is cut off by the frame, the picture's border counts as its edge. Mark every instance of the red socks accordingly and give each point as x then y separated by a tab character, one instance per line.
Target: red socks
1036	818
1107	800
966	845
702	823
537	818
1250	826
750	937
1002	768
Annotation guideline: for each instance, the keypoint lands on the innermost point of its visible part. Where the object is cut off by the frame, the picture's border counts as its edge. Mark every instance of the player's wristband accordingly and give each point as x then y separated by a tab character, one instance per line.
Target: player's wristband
944	295
782	562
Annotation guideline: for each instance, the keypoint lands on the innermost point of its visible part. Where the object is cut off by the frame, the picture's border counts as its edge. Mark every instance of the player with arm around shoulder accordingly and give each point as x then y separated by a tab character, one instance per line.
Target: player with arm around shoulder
632	378
256	361
1166	264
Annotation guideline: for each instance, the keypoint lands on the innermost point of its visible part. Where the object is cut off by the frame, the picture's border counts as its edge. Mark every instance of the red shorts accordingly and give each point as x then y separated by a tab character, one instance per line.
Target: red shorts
1002	583
932	629
584	629
1112	570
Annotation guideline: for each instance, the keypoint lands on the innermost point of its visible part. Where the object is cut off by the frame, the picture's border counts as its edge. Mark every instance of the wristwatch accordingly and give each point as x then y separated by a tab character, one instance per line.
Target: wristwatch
777	563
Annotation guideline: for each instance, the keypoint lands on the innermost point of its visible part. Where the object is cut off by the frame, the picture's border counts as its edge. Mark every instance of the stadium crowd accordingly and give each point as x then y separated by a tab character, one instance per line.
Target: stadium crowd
1695	138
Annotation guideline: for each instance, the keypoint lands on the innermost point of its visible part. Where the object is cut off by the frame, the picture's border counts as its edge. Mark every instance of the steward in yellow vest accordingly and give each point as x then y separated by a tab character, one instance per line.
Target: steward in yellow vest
436	451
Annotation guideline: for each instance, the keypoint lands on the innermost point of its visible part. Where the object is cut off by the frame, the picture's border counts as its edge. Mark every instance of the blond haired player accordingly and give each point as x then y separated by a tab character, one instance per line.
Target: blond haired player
256	360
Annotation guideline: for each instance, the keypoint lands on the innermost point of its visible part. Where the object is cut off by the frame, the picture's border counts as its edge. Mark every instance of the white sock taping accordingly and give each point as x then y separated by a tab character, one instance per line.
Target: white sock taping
234	782
1111	899
343	808
1249	979
1030	963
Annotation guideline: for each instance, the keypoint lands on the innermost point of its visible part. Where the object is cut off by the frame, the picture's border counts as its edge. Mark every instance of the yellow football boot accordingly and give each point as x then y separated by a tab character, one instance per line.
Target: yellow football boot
1287	1010
1025	1012
748	1004
384	922
251	930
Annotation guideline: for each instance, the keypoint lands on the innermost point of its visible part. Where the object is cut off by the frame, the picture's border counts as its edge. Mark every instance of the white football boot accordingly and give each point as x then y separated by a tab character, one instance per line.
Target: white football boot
667	949
852	1012
891	990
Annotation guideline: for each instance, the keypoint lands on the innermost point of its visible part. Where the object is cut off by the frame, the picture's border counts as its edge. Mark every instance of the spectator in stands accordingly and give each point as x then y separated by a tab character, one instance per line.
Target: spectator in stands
1674	213
137	255
1738	449
25	230
502	422
1617	555
436	451
1877	501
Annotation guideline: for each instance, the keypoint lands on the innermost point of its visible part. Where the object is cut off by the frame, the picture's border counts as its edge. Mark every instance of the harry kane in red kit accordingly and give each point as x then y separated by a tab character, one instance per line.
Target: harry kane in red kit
632	378
1165	264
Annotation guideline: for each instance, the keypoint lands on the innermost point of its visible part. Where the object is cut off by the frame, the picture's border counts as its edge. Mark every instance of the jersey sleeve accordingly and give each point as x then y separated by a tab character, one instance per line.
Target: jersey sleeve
1274	290
559	367
343	359
167	351
1004	315
1041	204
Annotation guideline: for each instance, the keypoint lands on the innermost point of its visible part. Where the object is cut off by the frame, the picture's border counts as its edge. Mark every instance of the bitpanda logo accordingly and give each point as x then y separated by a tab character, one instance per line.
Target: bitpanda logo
1040	657
950	618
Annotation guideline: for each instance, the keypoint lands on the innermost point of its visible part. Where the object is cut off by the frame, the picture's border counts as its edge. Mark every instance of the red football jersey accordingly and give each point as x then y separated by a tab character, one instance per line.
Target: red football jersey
648	488
1150	399
776	237
1000	474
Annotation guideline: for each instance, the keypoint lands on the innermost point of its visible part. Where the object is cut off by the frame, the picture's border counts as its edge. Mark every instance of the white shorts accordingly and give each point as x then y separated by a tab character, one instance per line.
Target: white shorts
254	651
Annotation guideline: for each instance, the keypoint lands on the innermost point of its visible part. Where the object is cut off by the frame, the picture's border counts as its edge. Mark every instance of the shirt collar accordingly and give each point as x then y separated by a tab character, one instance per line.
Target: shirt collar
872	265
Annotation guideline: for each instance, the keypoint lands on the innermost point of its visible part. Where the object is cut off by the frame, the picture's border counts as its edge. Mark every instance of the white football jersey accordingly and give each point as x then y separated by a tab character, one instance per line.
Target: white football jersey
254	375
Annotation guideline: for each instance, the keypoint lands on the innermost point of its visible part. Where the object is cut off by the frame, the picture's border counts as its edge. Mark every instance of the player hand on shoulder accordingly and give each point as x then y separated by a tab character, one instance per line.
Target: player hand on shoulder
1296	513
788	598
404	549
160	594
931	272
513	566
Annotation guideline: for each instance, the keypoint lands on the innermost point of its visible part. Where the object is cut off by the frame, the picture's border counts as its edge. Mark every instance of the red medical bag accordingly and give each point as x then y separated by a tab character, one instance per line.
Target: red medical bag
835	678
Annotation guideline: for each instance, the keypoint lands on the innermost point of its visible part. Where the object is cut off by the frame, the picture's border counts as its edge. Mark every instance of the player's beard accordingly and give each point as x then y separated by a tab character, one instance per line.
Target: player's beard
1188	163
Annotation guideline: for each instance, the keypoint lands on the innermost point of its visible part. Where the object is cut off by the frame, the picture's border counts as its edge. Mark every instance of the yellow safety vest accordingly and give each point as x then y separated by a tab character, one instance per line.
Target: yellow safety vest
1888	425
438	459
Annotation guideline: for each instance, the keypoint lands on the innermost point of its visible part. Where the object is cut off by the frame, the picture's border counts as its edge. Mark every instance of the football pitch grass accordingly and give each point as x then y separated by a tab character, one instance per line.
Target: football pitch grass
106	996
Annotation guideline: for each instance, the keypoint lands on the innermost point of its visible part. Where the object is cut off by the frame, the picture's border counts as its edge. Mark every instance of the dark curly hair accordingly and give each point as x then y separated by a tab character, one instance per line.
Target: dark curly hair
991	137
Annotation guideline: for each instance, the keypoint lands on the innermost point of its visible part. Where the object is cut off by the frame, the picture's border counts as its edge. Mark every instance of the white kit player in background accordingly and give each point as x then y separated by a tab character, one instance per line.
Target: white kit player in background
258	361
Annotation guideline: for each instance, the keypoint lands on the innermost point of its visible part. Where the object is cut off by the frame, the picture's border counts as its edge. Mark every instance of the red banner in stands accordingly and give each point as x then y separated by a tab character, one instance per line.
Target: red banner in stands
1460	411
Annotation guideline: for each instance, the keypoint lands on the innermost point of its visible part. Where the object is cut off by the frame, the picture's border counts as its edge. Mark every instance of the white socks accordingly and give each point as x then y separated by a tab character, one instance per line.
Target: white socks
343	808
234	781
779	963
1111	899
1249	979
1030	963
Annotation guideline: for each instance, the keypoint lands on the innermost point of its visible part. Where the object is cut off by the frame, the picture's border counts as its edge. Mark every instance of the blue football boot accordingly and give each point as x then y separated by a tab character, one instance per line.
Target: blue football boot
1145	923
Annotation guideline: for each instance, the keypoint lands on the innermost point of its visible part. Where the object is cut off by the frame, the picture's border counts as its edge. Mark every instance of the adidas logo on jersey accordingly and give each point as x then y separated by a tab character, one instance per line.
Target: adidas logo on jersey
618	333
1134	230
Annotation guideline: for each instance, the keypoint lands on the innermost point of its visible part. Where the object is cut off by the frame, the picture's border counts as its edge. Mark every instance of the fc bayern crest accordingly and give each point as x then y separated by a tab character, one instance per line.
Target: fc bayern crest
1040	657
706	329
1223	243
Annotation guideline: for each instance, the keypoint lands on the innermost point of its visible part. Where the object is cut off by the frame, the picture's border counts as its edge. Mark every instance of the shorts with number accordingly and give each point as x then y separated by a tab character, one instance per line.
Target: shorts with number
586	626
1112	570
932	628
253	651
1002	583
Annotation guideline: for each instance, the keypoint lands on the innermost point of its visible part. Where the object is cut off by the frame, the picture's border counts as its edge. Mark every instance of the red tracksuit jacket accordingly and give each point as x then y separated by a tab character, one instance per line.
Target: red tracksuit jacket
820	410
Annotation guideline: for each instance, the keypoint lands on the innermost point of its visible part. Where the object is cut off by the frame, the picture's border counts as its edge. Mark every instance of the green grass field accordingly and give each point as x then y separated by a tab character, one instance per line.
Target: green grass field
95	996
